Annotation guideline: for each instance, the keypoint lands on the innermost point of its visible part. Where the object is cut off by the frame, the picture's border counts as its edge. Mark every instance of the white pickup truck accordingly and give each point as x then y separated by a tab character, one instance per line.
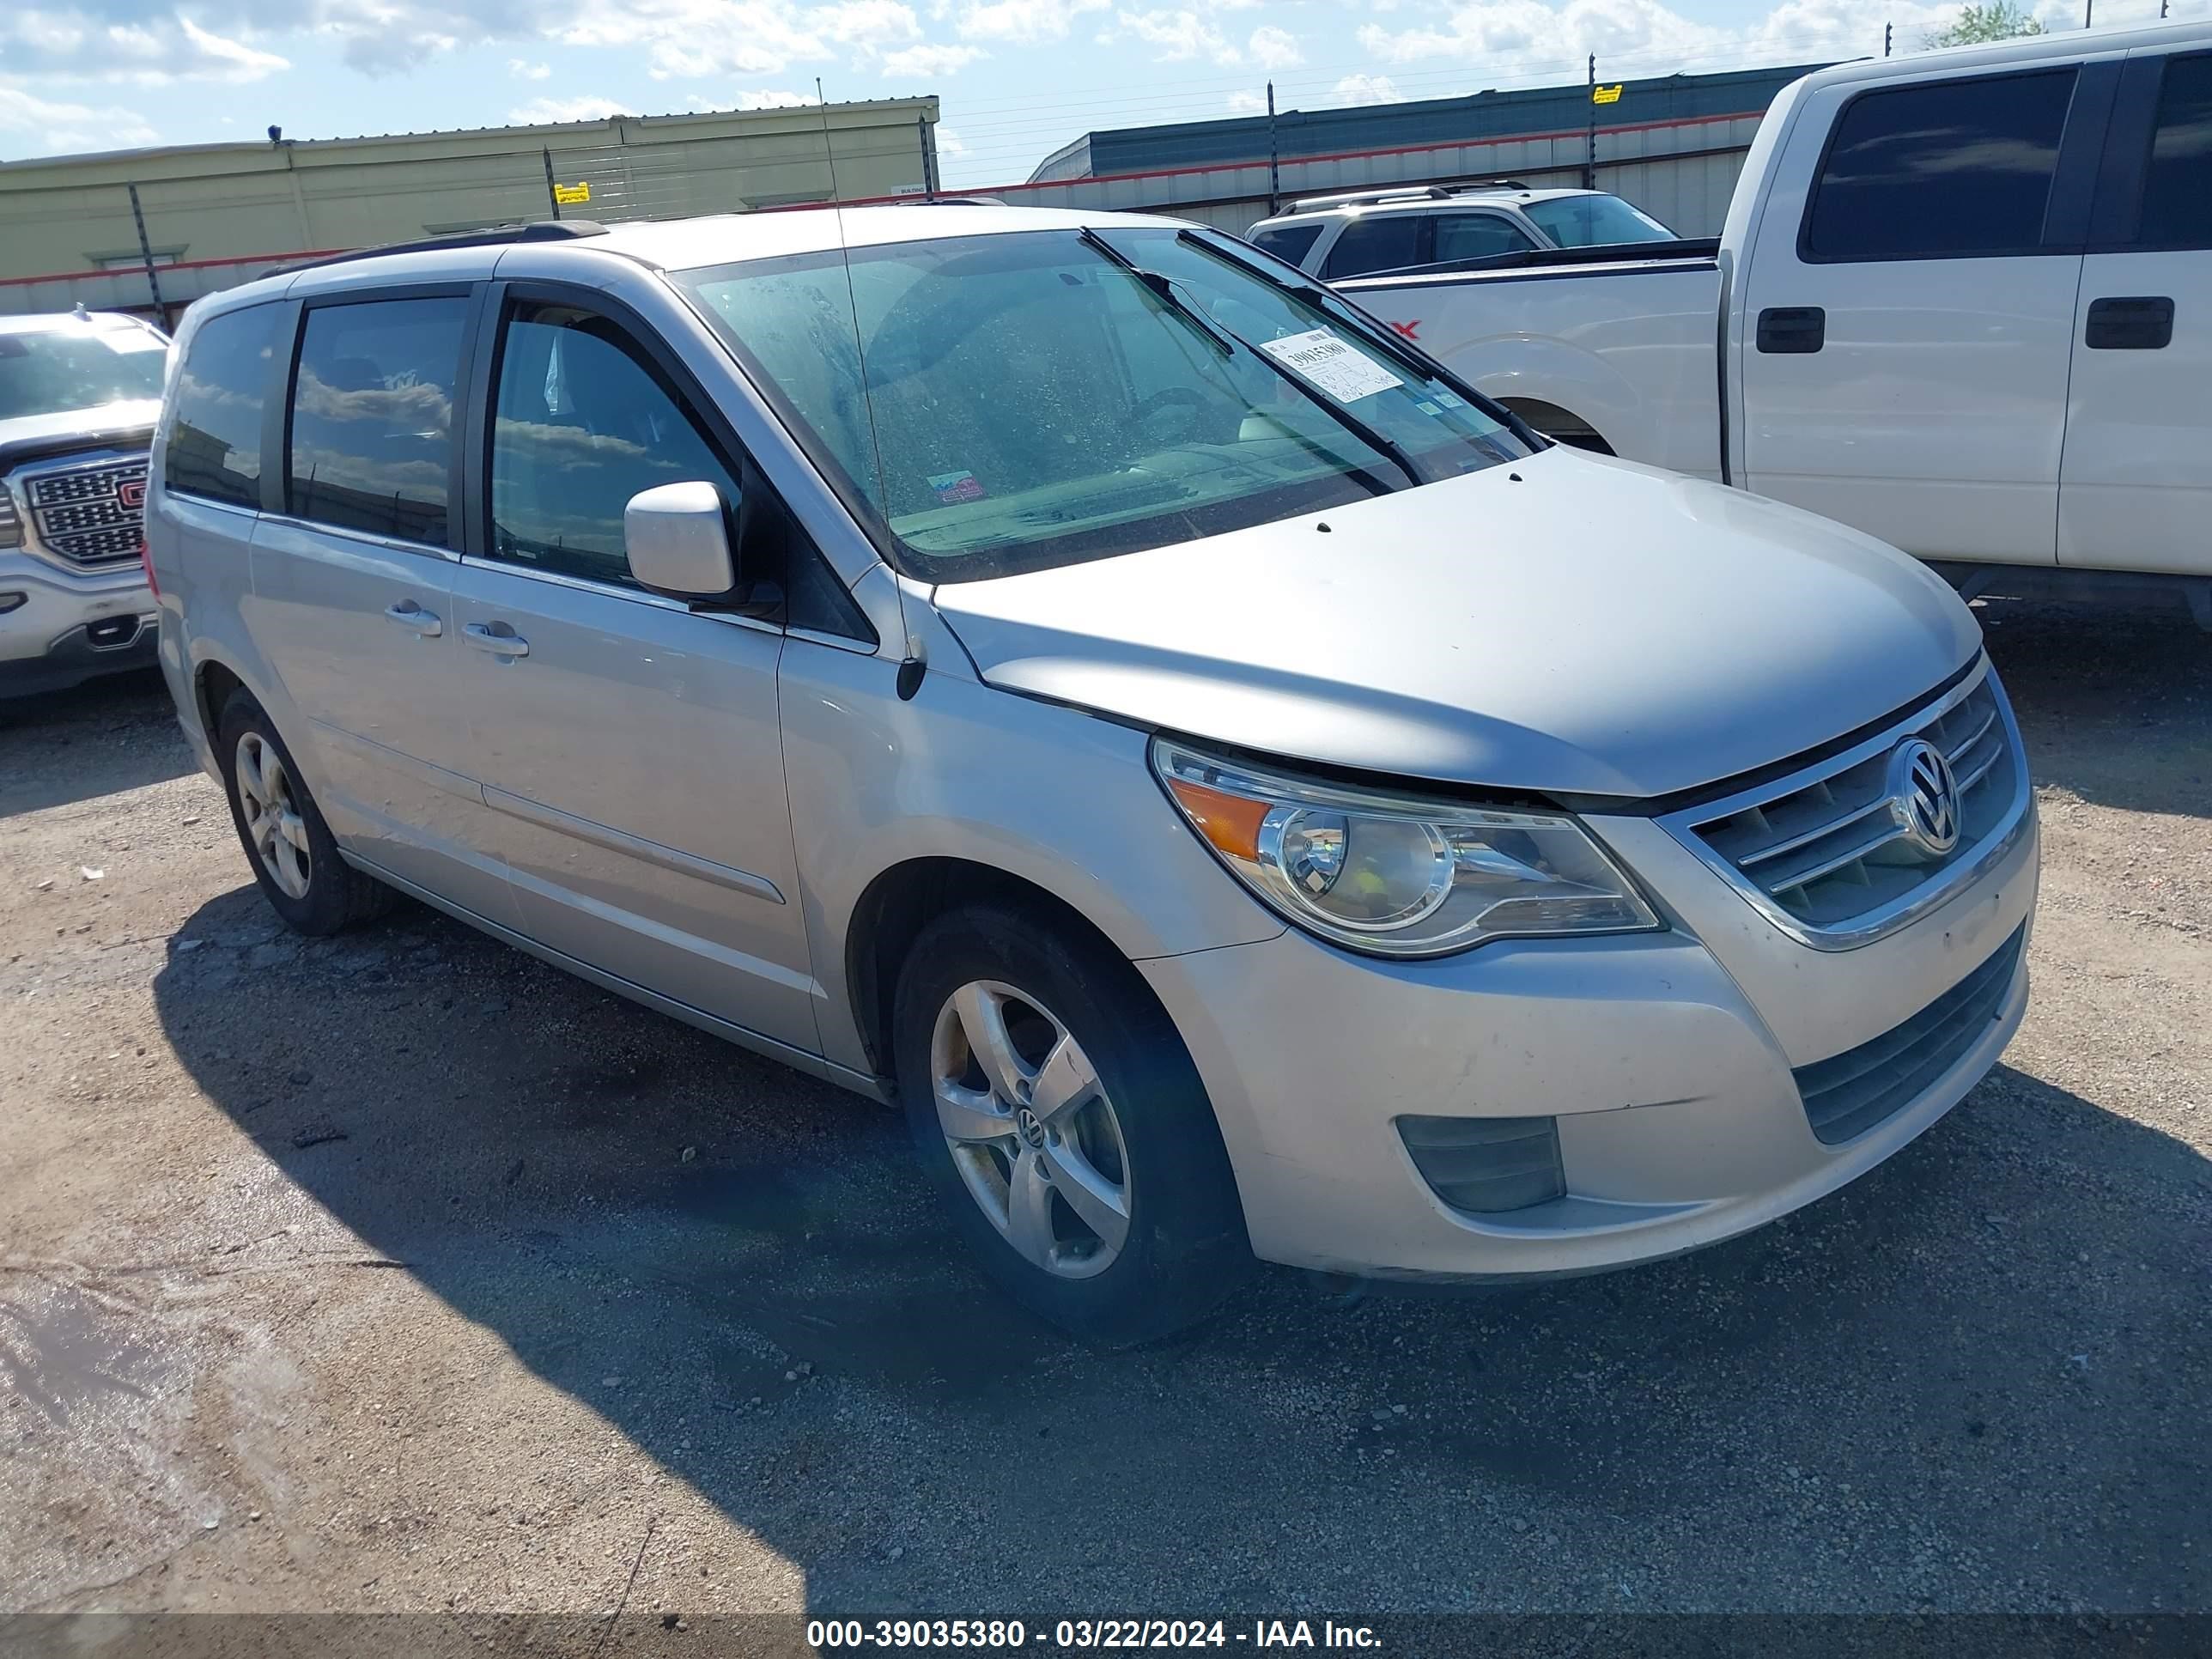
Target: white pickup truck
1963	301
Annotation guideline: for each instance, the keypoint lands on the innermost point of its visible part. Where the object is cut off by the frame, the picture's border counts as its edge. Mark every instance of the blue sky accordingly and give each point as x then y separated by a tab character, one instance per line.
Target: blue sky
1017	77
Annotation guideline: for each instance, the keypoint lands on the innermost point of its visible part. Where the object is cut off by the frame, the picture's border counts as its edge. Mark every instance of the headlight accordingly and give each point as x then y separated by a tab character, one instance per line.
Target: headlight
1396	875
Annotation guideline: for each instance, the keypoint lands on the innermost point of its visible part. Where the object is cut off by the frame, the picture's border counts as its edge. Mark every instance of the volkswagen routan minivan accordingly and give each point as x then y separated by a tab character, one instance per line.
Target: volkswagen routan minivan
1240	794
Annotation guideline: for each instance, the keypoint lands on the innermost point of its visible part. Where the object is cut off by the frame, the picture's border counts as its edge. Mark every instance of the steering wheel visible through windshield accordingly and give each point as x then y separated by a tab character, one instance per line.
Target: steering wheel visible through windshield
989	404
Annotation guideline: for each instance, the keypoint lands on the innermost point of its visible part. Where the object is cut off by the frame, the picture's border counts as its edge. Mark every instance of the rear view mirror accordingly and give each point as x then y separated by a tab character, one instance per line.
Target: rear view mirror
678	538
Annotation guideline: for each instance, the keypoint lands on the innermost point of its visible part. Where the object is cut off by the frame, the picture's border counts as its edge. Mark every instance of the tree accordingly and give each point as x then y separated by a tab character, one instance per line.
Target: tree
2000	19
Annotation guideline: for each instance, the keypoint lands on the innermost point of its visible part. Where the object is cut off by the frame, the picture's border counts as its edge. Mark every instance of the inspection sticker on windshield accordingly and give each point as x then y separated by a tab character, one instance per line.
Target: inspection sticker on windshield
1335	366
952	488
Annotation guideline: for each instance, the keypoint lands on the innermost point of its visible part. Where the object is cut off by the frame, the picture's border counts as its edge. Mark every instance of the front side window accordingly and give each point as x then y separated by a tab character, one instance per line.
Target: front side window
214	427
1594	221
371	445
583	422
78	366
1478	236
2177	208
1029	401
1944	170
1289	243
1384	241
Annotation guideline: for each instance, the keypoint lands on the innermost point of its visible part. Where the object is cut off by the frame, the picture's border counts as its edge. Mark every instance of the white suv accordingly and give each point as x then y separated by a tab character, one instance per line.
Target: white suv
1366	231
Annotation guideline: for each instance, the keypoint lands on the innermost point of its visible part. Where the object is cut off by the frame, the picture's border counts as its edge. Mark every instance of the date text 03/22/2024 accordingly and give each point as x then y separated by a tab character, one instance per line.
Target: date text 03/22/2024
1004	1634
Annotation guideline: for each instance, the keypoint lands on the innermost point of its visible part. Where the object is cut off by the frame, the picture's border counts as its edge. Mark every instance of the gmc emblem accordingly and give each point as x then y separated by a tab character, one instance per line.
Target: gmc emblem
131	494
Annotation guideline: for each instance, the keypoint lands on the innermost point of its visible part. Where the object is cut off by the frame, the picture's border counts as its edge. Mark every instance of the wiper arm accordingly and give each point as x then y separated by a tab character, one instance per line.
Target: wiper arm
1228	340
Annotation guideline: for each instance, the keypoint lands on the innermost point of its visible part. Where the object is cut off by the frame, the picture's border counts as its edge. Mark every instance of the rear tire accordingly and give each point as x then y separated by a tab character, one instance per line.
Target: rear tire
1110	1209
294	858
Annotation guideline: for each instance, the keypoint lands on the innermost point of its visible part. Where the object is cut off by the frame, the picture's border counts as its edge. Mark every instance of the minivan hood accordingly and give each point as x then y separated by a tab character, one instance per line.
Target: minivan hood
1569	623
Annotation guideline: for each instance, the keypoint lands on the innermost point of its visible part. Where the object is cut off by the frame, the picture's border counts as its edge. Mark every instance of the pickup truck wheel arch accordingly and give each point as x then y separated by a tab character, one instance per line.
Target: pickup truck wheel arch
1563	424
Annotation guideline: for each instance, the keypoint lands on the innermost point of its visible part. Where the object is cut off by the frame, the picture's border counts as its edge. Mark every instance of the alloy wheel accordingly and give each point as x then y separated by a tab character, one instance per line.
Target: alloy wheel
274	826
1030	1129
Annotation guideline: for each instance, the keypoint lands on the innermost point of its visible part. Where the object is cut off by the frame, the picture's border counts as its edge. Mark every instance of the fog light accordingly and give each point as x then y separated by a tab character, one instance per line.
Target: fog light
13	602
1487	1165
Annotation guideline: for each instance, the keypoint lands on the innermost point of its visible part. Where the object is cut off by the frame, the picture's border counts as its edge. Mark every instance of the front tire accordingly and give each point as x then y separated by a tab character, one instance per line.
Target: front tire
294	858
1059	1114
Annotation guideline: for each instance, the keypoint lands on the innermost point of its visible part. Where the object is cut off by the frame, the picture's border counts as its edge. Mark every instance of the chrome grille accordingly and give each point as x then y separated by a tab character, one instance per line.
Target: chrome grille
1848	1094
1828	851
88	514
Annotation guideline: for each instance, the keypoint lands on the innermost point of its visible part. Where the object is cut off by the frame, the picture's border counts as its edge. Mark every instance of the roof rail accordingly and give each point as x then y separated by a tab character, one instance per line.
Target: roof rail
541	230
1401	193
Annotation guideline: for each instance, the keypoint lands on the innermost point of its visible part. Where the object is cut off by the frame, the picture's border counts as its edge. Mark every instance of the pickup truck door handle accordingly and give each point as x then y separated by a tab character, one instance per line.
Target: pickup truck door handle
414	619
2143	324
500	645
1789	330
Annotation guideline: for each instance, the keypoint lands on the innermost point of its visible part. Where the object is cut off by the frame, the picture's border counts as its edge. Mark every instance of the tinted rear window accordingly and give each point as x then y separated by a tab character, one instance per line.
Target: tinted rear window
1383	242
215	433
1289	243
373	416
1940	171
2177	209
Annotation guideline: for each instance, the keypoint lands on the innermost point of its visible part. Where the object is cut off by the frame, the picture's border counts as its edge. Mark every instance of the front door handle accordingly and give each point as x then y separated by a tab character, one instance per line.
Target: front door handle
414	619
1792	329
500	645
2136	324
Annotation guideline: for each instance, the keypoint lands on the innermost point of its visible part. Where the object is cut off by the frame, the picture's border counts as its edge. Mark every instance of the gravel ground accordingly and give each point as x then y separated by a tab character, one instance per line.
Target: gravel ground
402	1273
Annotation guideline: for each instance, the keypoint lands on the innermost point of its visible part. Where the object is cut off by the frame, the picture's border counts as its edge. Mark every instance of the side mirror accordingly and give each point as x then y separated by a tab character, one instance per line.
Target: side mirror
678	538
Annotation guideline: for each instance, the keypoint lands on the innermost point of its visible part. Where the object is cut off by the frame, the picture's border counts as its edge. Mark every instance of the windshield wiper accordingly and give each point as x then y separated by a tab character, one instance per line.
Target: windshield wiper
1227	339
1328	303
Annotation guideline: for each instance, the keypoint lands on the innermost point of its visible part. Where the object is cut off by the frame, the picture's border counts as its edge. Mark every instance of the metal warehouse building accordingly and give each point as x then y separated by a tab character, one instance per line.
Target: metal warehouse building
1672	145
153	229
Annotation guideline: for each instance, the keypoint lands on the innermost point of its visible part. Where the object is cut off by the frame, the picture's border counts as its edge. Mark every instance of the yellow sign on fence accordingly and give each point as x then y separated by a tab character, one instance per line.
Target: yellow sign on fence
577	194
1605	94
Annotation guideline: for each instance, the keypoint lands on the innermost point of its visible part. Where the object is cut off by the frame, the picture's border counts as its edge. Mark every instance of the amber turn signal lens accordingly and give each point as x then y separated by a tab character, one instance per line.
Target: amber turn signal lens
1230	822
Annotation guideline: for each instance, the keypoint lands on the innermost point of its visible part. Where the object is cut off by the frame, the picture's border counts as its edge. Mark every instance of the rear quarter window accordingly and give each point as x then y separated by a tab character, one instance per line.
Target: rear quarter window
215	429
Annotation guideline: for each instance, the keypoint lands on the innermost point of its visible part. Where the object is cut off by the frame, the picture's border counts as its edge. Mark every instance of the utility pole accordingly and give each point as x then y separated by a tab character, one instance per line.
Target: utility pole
1589	156
1274	164
1885	40
2088	13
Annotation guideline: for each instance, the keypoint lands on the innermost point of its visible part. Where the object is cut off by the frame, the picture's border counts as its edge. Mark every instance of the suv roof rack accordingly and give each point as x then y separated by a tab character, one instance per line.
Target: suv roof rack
539	230
1401	193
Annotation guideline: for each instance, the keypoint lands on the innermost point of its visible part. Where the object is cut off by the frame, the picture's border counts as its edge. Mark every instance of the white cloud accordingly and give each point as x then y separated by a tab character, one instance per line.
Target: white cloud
1180	35
49	129
774	98
523	70
949	142
1026	21
74	47
1366	89
1275	49
928	62
1247	103
544	112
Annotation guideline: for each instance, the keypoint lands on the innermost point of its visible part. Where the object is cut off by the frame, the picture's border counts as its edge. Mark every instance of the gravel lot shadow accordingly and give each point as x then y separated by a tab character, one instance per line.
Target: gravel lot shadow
2115	701
1985	1364
102	737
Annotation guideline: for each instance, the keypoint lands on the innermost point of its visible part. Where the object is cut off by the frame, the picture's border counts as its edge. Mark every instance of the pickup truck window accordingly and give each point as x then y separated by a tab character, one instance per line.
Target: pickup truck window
214	432
2177	208
1012	402
55	371
1943	170
1383	242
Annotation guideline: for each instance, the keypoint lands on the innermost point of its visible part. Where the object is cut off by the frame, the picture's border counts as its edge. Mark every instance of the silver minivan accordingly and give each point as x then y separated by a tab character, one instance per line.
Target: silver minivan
1240	792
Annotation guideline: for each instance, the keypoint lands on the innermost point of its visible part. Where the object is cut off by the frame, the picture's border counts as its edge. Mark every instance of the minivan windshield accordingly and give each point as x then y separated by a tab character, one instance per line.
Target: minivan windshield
50	372
1595	221
1038	398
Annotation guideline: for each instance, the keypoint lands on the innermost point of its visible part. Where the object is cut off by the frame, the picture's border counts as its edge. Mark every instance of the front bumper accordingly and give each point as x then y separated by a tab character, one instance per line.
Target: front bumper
1666	1059
61	628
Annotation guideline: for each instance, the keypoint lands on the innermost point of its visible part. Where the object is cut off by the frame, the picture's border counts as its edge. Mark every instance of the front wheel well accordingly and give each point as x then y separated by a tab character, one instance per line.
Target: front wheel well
1563	424
906	898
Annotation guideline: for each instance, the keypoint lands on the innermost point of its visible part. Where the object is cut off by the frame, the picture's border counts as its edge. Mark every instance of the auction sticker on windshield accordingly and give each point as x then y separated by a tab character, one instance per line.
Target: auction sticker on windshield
1330	364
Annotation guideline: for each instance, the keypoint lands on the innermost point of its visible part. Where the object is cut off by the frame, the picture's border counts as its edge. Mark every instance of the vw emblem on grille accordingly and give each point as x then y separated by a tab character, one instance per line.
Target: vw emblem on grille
131	493
1923	796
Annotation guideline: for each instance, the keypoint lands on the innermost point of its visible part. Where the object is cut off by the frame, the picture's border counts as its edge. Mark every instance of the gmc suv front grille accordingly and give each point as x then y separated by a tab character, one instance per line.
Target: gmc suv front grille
1829	852
87	514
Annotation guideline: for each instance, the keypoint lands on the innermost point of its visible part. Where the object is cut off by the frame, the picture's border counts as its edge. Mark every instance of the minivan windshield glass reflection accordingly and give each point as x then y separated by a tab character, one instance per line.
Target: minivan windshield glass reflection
51	374
1037	398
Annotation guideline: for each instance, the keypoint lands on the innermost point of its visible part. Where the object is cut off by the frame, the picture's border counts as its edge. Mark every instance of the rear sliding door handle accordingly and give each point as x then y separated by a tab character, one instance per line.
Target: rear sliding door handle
2143	324
414	619
500	645
1792	329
